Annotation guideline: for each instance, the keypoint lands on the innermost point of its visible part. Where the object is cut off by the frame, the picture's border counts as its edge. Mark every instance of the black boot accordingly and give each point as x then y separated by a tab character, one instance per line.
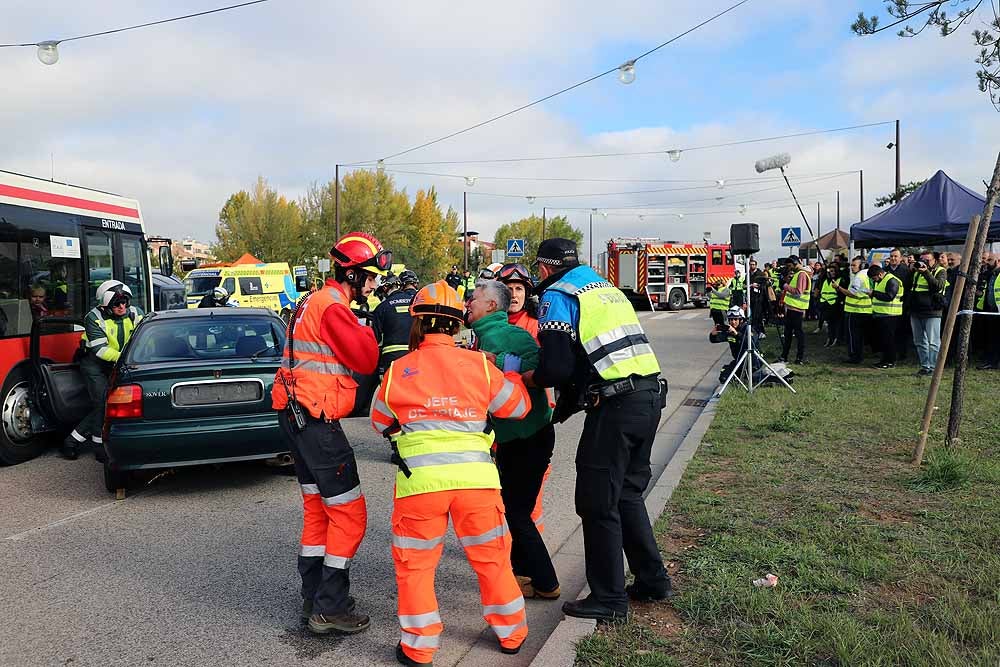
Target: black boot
70	448
590	608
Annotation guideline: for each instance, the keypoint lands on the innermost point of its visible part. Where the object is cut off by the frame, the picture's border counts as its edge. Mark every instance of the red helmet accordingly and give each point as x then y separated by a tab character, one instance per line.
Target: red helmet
359	250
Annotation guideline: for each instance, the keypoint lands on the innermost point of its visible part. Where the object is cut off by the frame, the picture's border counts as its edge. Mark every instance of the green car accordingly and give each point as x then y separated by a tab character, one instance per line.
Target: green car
194	387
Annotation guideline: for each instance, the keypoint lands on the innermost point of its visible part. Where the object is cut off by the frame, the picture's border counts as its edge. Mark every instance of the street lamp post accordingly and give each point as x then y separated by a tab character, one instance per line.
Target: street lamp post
543	224
898	184
336	199
465	231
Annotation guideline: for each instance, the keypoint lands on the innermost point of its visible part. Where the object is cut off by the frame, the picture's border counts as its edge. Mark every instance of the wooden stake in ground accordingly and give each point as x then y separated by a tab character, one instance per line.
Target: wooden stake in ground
968	303
949	326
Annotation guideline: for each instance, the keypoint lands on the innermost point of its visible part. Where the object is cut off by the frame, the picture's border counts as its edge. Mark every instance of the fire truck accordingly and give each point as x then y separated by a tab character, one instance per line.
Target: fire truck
655	273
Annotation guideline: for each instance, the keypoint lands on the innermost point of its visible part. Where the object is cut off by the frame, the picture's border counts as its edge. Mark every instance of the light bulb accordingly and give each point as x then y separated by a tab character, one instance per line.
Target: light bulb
641	217
674	155
470	181
743	209
380	167
719	198
626	73
531	200
721	183
48	52
604	213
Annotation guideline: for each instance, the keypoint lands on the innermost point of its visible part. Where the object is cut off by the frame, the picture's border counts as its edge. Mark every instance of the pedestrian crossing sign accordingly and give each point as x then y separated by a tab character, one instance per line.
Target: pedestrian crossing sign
791	237
515	247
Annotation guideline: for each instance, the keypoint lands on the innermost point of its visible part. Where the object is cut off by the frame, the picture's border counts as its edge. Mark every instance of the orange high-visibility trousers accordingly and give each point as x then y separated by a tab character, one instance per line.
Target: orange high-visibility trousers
538	514
419	524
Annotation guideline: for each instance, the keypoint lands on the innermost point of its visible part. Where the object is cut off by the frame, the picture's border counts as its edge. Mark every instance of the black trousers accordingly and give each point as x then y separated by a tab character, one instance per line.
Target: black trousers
834	316
855	325
95	374
324	459
718	316
793	327
887	328
992	328
522	464
903	337
612	472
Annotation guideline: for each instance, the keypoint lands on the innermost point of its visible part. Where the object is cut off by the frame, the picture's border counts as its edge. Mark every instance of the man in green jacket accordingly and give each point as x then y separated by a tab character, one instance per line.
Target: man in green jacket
523	447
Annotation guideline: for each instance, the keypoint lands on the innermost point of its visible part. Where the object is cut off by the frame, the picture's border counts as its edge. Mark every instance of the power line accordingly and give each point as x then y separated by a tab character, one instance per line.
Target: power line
144	25
728	195
633	153
568	88
741	179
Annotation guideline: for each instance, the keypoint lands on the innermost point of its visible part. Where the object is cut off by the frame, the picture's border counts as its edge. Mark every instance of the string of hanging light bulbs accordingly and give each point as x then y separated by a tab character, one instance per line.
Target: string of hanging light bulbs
48	50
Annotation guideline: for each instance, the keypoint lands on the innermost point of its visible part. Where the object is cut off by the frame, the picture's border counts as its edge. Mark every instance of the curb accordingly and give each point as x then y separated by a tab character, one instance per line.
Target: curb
559	650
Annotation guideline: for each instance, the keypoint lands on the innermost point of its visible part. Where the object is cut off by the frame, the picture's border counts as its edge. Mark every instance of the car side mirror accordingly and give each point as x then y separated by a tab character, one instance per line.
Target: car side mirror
166	261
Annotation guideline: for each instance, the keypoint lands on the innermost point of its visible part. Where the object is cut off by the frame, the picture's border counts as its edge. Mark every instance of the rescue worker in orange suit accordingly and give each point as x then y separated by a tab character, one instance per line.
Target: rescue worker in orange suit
314	389
523	312
433	404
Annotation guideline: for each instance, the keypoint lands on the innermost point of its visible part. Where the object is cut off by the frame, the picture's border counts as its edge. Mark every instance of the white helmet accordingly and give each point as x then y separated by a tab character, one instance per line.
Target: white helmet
491	271
735	313
109	289
220	295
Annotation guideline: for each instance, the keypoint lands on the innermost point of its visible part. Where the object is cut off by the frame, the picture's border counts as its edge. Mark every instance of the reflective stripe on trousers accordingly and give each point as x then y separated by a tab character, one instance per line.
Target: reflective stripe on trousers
419	523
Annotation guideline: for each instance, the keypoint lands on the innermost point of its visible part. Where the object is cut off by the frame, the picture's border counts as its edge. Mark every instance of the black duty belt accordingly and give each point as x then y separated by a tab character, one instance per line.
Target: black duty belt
627	385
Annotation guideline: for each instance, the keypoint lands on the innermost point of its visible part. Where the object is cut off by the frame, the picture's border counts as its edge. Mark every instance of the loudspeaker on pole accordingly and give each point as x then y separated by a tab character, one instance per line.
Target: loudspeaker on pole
745	238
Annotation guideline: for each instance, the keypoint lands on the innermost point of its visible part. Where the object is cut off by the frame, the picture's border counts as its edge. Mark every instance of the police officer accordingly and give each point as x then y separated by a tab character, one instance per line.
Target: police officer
314	389
217	298
594	350
392	322
107	327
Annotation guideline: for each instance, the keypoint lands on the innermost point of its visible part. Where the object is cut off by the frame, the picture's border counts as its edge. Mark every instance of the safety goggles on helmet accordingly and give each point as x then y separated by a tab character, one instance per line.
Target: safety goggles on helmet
359	250
510	273
119	299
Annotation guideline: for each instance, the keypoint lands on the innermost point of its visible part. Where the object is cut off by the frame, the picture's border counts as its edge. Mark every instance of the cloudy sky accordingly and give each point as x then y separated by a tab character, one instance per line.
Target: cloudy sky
182	115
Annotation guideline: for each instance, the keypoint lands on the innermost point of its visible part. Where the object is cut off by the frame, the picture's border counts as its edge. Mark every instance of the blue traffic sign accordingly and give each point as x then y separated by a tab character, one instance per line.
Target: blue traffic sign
791	237
515	247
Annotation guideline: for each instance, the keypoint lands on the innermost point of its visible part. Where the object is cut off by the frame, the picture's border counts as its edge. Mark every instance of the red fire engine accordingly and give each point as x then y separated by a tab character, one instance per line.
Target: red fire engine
652	272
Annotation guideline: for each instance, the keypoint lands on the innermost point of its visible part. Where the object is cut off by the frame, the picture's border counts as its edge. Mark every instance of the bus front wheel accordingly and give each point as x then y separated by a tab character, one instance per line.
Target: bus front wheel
18	442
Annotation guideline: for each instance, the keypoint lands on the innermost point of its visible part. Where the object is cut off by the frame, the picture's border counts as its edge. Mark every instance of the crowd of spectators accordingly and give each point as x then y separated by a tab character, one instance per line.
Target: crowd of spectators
890	310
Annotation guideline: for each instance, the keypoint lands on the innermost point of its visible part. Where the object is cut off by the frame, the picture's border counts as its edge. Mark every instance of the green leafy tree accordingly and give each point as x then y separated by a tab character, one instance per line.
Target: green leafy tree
426	247
262	223
530	229
904	190
370	202
933	13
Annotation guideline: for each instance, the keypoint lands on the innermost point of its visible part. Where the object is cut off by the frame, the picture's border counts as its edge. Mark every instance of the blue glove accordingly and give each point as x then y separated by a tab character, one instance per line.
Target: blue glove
511	362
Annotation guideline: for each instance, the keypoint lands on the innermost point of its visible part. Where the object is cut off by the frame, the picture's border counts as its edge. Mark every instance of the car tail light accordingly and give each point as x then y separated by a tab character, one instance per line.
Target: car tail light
125	402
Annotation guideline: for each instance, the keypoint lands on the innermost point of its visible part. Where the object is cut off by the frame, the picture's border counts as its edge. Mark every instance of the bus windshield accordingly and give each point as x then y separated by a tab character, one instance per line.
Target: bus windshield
201	285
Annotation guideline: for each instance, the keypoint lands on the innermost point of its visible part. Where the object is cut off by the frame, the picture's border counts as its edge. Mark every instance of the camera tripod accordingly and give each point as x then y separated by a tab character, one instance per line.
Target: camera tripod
743	369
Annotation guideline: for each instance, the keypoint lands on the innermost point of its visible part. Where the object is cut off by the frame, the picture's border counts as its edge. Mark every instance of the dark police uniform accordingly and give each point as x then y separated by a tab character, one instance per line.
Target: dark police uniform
392	322
594	350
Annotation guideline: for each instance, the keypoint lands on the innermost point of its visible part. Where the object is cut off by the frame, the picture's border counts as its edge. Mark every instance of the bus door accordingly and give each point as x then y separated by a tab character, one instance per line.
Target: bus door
119	256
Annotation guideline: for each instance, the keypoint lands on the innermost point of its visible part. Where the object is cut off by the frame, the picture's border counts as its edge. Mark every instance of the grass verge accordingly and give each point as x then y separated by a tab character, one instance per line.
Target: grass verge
878	562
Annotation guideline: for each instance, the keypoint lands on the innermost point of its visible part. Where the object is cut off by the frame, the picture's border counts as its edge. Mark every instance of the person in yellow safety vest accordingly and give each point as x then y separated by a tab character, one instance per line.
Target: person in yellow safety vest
594	350
857	311
433	404
925	292
796	298
719	298
887	308
107	328
831	304
989	302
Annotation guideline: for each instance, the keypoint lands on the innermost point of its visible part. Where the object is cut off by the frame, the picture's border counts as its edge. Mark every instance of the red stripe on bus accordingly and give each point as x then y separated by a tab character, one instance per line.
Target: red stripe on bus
63	200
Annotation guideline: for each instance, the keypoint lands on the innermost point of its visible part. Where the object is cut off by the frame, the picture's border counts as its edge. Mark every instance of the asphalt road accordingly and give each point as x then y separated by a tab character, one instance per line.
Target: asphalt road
198	567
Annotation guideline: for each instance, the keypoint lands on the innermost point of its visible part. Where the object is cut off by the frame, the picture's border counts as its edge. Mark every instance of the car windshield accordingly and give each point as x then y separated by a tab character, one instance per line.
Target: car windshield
201	285
208	338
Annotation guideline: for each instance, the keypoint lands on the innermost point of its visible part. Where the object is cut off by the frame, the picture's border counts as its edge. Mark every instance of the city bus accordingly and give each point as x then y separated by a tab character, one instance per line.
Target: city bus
58	242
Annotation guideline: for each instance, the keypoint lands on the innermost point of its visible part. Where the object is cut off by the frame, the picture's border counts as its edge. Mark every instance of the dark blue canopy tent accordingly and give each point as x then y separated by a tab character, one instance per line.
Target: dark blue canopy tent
936	213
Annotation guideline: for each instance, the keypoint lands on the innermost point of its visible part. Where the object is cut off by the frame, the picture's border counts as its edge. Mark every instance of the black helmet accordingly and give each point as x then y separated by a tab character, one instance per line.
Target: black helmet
408	277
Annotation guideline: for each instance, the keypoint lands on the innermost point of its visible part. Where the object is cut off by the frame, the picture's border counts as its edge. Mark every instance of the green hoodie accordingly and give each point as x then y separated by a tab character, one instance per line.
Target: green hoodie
495	334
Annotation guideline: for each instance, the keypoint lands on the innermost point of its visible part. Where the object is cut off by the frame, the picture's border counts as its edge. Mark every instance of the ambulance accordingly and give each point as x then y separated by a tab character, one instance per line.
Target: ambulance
264	285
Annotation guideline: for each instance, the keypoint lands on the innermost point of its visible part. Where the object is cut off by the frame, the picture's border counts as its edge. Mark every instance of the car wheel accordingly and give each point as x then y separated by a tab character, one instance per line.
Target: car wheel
114	479
676	300
18	442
